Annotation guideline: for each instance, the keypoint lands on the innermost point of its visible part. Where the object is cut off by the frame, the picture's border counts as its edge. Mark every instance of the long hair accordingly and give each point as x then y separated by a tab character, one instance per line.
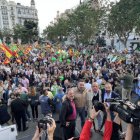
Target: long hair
32	91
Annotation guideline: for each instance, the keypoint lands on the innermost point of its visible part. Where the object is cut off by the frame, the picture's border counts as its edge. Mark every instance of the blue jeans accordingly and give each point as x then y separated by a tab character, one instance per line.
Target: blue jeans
81	113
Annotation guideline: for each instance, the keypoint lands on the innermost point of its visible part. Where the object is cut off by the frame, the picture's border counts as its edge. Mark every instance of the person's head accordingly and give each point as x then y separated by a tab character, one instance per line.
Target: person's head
60	90
87	80
108	87
70	94
32	91
81	85
95	87
66	82
1	83
45	92
23	77
55	83
12	96
20	85
17	95
129	71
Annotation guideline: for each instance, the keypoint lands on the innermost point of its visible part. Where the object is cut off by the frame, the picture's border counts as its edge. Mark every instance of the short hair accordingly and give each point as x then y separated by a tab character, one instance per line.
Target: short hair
129	71
17	95
81	80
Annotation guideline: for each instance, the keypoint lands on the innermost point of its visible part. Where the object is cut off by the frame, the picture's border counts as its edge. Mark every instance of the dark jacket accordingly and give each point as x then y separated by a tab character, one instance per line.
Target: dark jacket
33	100
113	95
4	115
18	105
66	111
127	81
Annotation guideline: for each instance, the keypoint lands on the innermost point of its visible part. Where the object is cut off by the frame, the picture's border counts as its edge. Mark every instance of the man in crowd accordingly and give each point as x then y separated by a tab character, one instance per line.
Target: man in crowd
80	100
127	85
94	95
68	115
18	107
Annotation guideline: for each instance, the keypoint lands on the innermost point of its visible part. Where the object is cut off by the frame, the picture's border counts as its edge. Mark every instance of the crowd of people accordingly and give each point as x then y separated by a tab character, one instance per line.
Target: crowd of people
65	82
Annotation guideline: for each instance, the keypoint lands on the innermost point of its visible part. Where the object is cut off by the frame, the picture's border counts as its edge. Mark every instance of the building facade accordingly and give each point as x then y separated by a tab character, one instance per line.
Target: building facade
12	13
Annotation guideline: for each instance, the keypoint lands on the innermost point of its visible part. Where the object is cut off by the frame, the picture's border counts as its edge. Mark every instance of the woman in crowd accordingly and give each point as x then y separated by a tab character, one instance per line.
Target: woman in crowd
33	99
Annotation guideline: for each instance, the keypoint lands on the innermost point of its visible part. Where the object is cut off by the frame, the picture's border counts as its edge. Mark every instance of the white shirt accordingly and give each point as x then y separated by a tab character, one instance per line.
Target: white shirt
88	86
107	96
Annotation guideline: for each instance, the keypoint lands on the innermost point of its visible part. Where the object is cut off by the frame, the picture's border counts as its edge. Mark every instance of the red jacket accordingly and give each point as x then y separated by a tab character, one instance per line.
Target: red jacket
85	134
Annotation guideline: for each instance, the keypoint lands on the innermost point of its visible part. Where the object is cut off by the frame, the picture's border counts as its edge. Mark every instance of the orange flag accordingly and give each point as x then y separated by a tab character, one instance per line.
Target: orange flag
6	61
6	50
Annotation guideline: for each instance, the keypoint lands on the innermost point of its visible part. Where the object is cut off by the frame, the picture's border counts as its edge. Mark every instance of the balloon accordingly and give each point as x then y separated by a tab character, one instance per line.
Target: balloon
60	60
53	59
68	61
61	78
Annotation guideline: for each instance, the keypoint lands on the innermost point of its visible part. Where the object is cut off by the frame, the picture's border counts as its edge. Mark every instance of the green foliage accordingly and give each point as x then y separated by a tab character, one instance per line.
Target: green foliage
27	33
123	18
79	24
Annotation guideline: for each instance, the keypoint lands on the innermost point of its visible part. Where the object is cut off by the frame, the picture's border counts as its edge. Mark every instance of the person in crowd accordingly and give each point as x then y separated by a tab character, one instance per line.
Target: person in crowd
21	88
66	85
87	84
18	108
24	97
127	85
68	115
1	89
25	82
85	134
80	100
58	100
11	98
50	95
54	88
137	88
33	99
108	93
45	103
50	132
4	115
92	96
111	128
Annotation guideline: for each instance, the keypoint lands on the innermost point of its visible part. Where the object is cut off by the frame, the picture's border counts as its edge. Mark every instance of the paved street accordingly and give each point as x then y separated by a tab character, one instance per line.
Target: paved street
27	135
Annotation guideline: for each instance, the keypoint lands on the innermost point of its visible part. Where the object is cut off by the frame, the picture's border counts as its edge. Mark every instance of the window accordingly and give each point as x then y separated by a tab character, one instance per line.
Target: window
12	13
4	12
20	22
19	11
12	18
5	17
5	22
12	8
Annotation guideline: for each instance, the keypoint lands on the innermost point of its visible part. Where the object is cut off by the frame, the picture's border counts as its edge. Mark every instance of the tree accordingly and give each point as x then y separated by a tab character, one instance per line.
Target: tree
30	30
79	23
122	19
18	32
57	30
7	34
27	32
83	23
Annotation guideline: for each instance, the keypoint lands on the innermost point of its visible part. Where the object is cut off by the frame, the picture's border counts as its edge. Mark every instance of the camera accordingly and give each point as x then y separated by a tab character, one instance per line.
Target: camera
42	123
128	111
100	106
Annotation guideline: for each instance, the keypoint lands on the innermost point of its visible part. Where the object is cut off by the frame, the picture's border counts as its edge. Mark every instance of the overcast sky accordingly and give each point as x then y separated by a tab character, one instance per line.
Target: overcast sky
47	9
